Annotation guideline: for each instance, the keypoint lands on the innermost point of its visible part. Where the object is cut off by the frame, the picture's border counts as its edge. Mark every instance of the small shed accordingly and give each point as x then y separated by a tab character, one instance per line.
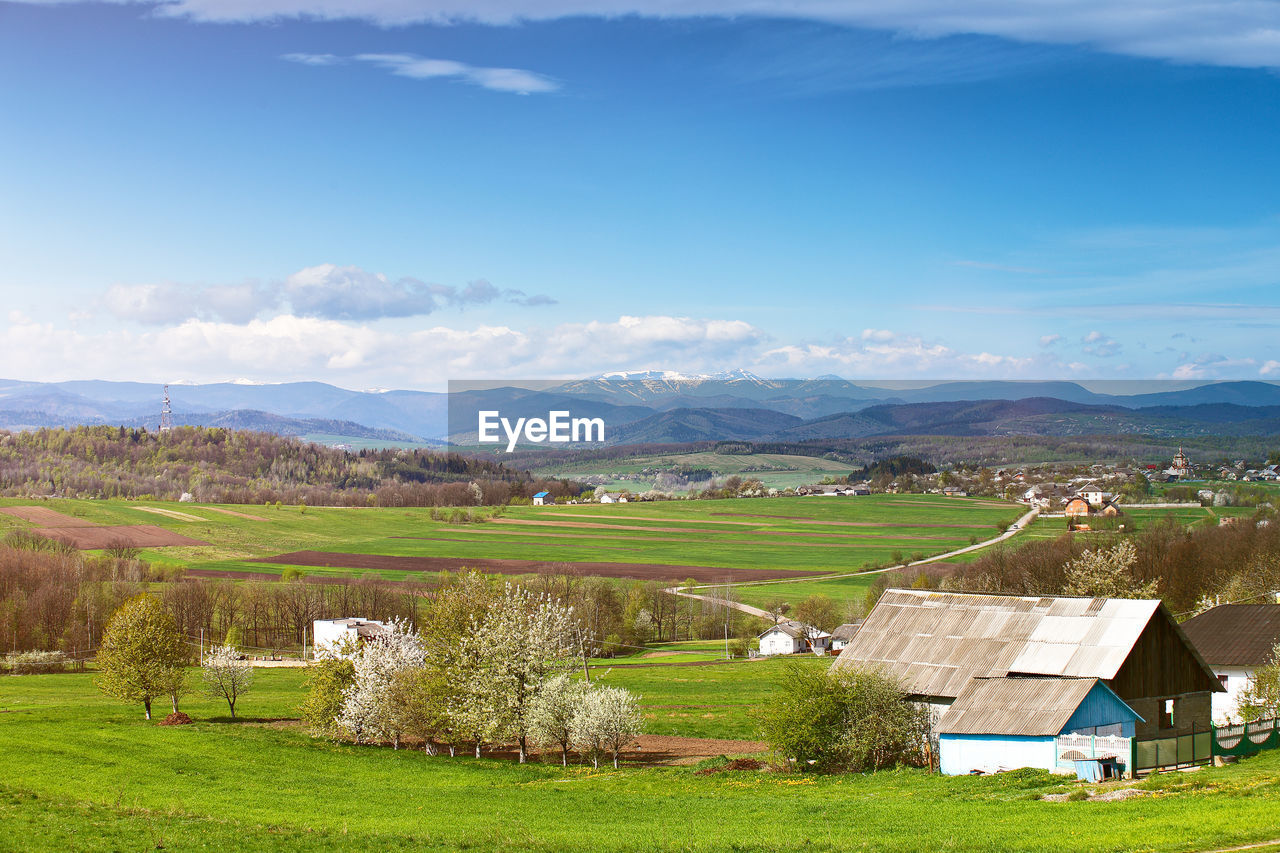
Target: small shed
1011	722
542	499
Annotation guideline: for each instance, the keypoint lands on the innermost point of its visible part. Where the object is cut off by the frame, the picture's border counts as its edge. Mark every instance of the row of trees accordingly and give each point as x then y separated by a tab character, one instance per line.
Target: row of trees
1239	561
488	667
233	466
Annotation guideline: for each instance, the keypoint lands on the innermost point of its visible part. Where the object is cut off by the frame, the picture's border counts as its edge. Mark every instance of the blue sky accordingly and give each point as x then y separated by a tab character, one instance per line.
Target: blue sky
274	190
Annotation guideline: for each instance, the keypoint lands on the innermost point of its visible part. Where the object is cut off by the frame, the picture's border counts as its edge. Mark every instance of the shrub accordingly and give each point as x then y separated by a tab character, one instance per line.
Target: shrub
30	663
326	680
849	719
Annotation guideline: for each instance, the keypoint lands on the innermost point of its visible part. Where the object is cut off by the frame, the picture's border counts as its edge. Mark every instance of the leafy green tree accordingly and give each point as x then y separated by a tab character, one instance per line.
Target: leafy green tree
142	655
326	679
819	611
848	719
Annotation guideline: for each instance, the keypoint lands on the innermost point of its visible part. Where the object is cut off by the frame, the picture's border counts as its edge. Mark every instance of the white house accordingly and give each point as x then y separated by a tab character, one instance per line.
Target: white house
790	637
543	498
338	637
606	498
1234	640
841	636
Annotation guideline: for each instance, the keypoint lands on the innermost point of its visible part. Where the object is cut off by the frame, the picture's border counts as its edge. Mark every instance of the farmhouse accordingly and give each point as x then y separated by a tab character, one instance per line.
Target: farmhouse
1234	639
1005	723
841	636
606	498
937	642
542	499
790	637
331	637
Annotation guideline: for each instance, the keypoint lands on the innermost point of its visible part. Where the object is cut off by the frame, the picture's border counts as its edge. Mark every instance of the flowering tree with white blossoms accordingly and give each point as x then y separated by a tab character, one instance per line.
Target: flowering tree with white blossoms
607	721
524	639
368	709
553	710
227	675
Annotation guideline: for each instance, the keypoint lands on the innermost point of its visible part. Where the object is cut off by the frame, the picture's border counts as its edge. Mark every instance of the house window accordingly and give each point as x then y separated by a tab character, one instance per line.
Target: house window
1166	714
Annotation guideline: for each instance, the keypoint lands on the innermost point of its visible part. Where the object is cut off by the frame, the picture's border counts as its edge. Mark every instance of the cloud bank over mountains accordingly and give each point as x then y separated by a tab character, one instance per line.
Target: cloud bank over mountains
1243	34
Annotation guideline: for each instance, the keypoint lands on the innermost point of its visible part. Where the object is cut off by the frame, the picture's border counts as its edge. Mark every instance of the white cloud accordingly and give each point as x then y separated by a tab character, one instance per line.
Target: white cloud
317	59
290	347
324	290
1235	33
1049	340
1215	366
1096	343
1270	368
515	80
884	354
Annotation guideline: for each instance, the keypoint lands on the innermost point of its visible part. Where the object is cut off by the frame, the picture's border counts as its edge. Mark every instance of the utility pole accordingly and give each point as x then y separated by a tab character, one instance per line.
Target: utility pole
202	647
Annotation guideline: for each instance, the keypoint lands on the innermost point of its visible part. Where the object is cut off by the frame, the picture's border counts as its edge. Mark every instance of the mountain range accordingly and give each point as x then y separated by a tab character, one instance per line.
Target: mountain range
666	406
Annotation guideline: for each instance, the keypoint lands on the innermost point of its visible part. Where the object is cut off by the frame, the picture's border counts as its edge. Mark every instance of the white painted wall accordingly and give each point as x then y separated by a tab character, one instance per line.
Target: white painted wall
958	754
777	642
1226	706
329	635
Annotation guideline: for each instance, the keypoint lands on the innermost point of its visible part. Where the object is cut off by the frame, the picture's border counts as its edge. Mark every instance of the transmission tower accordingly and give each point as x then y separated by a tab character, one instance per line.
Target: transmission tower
166	414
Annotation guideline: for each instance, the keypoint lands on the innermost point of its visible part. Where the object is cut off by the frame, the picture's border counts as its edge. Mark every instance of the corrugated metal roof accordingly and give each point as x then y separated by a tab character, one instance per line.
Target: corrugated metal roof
937	641
1235	634
1028	707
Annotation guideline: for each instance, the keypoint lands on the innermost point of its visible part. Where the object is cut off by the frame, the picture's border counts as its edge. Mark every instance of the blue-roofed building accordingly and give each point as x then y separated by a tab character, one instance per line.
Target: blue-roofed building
1005	723
542	499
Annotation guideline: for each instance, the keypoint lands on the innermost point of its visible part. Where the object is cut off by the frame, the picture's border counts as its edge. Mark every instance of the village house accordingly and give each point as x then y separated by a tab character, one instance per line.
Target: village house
542	499
1235	640
790	637
937	643
333	638
607	498
841	636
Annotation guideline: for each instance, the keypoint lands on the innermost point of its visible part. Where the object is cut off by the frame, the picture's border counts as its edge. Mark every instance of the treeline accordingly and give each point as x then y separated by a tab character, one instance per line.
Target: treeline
227	466
54	598
1239	561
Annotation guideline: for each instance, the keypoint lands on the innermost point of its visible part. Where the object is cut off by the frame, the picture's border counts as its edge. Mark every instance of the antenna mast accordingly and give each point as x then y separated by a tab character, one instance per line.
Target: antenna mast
166	414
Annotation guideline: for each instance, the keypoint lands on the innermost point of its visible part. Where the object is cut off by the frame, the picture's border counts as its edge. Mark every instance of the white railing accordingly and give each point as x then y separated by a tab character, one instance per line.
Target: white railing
1071	747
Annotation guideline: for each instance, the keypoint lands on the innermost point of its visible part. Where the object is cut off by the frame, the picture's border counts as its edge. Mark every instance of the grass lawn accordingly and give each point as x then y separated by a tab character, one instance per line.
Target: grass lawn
81	772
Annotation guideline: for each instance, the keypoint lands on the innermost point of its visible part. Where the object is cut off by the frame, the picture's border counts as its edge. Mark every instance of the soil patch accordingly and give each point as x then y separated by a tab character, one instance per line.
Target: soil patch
177	718
637	571
45	517
505	541
132	535
650	750
236	514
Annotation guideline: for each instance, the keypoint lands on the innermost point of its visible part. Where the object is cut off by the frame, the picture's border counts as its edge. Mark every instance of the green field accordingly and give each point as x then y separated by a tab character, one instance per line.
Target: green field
804	535
85	773
638	473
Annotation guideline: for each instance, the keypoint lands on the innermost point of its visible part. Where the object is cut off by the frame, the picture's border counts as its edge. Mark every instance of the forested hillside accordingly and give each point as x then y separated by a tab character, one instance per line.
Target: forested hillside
231	466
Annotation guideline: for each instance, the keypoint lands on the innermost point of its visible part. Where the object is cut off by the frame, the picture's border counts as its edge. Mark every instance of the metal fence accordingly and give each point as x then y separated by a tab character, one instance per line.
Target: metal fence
1164	753
1247	738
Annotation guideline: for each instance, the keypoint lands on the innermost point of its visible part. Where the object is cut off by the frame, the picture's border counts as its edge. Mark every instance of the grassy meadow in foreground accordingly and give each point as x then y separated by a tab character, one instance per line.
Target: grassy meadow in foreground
82	772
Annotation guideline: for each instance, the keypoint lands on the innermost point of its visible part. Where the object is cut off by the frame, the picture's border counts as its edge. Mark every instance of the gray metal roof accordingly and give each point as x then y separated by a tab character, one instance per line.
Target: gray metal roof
846	631
1028	707
937	641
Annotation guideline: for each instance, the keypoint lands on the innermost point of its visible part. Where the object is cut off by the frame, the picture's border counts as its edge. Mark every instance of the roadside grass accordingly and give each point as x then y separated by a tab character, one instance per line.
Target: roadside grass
81	772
